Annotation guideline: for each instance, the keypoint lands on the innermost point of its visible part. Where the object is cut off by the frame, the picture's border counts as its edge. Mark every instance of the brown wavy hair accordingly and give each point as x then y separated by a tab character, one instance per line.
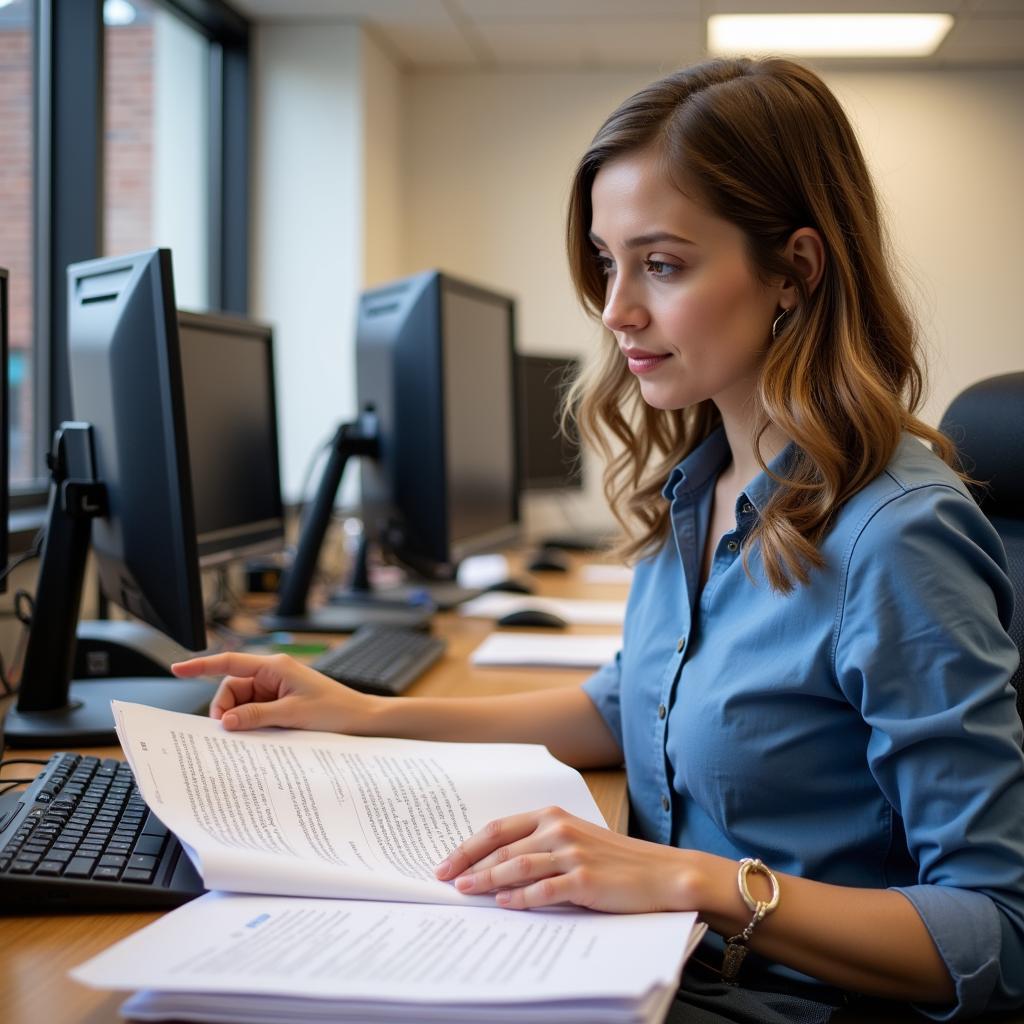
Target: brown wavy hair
765	145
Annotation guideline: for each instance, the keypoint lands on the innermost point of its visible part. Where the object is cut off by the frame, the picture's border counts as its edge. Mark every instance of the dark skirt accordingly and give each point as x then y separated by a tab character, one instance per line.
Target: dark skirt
703	998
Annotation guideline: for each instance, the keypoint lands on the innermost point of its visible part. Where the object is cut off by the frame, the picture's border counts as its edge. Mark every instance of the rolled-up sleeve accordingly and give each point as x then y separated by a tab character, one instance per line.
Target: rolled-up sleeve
921	649
603	689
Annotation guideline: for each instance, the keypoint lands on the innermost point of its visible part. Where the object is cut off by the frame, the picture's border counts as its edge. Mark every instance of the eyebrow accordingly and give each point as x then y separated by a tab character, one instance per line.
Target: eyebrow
641	240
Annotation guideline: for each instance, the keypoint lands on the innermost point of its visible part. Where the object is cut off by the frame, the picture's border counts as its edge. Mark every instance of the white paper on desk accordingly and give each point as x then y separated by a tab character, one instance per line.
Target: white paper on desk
582	613
602	572
547	650
389	953
321	814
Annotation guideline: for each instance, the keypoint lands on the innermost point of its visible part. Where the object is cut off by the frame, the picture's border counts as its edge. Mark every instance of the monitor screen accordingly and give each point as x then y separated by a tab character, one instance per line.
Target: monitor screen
548	460
480	443
5	426
227	368
126	381
435	360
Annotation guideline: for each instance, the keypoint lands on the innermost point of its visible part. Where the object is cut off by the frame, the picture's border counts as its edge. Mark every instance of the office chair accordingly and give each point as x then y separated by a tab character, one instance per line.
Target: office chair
986	423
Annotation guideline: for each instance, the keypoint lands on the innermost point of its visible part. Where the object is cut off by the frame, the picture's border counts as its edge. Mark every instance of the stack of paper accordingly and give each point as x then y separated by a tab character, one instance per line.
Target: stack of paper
583	613
278	959
328	844
547	650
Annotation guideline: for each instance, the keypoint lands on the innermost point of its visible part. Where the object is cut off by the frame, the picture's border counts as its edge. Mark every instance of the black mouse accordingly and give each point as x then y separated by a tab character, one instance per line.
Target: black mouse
533	617
548	560
509	587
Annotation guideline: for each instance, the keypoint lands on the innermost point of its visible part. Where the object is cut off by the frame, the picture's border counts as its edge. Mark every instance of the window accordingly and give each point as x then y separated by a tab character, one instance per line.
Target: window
123	125
156	141
16	60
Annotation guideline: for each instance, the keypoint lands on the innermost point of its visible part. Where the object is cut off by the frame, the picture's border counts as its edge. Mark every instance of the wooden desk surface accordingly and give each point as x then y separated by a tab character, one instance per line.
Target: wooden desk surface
37	952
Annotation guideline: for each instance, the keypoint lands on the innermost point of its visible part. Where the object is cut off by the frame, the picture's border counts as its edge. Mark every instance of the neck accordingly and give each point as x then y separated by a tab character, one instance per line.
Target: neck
738	420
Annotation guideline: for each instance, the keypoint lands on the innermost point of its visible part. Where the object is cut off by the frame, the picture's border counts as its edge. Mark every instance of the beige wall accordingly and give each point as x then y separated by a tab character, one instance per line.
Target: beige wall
469	172
489	159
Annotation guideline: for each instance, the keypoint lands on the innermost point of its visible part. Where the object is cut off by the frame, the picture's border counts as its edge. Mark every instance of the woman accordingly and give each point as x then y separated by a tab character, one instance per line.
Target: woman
812	698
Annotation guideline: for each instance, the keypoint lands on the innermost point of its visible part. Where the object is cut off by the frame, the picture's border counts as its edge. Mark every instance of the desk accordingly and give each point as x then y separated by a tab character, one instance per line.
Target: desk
37	952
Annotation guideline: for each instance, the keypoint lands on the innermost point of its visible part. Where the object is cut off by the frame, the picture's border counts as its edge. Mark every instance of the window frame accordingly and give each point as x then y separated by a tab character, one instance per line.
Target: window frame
67	202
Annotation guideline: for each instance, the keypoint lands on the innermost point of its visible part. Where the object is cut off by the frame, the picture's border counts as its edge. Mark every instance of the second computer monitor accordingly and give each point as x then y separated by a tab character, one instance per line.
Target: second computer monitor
230	408
435	359
548	459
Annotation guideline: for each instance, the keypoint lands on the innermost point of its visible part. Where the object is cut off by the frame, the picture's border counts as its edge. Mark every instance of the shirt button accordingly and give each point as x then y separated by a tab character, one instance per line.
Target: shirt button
732	545
665	805
661	711
680	645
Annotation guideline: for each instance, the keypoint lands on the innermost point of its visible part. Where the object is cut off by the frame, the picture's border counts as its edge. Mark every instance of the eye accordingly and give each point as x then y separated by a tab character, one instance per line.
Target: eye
661	268
604	263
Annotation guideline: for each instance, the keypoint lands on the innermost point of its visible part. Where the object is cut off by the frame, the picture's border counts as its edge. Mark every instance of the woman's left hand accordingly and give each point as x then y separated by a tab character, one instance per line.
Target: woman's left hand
549	856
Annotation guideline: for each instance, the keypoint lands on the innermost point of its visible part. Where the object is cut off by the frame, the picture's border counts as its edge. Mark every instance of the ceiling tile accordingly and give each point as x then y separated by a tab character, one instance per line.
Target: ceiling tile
562	10
411	11
637	42
979	40
421	46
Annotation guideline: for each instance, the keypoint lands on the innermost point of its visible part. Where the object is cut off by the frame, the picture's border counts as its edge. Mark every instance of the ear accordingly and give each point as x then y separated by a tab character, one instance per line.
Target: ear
806	251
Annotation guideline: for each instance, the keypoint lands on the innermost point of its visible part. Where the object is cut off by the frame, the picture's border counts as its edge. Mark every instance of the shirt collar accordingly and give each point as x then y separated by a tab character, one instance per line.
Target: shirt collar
762	487
707	460
711	456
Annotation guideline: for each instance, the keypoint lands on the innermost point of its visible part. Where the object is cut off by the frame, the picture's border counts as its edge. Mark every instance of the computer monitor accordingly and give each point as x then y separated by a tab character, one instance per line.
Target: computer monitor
227	368
435	358
436	383
120	476
548	459
5	426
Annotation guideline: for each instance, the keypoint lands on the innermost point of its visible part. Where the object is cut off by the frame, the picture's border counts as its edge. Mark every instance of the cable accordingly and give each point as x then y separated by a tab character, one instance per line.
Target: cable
21	760
27	556
14	784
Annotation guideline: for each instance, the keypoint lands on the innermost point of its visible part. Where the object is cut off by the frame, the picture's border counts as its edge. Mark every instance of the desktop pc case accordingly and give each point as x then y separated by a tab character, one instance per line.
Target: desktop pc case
435	360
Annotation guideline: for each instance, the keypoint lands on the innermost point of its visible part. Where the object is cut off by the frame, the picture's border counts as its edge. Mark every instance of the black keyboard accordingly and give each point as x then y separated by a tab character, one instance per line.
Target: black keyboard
381	659
80	838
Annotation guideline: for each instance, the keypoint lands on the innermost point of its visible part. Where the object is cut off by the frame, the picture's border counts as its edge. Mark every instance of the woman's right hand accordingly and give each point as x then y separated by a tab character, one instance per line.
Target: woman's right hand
267	690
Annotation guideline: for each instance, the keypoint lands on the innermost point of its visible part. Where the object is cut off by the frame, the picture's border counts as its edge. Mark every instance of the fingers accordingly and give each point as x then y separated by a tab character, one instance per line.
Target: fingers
519	870
229	663
545	893
231	692
495	834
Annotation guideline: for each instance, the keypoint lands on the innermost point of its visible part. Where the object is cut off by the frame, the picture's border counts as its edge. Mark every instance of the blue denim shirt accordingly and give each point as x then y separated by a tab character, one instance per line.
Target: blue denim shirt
859	731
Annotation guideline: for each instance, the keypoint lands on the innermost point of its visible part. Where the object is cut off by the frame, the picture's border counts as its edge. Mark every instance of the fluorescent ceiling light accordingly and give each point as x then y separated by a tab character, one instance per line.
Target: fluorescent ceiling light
828	35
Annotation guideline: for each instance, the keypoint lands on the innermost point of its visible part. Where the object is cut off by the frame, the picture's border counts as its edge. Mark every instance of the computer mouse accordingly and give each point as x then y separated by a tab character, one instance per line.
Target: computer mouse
509	587
548	560
533	617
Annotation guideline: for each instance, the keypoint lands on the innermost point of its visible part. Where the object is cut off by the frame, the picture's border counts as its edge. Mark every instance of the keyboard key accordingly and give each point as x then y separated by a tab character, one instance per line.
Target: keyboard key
154	826
137	875
79	867
142	861
149	845
49	867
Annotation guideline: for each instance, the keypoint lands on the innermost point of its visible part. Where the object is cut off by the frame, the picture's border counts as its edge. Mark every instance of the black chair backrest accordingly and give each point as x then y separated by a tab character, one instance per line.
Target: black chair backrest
986	423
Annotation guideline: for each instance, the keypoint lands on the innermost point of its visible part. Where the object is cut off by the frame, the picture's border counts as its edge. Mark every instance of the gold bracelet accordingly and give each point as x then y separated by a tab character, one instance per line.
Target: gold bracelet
736	947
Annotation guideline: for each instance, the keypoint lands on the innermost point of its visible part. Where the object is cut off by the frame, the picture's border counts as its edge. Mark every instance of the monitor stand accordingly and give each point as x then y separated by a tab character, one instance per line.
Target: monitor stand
52	711
444	595
115	647
358	438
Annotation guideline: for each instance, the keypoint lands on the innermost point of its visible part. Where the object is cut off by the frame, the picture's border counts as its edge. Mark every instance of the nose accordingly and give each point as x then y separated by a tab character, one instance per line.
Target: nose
623	307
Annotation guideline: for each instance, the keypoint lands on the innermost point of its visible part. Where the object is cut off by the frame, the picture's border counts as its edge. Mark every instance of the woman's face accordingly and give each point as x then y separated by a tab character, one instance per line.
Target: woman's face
688	311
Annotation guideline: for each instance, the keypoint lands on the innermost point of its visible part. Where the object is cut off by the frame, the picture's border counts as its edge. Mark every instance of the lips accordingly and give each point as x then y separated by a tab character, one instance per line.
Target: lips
641	361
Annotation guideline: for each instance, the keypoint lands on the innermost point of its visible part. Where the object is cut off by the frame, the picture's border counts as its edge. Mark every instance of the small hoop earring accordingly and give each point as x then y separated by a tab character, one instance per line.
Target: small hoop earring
778	320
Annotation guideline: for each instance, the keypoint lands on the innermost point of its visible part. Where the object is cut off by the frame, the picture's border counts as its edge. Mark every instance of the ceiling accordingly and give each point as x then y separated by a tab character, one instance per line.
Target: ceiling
613	34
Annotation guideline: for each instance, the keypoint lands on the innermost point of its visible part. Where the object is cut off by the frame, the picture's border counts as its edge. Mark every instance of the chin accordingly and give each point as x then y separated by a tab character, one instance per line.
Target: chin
668	398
